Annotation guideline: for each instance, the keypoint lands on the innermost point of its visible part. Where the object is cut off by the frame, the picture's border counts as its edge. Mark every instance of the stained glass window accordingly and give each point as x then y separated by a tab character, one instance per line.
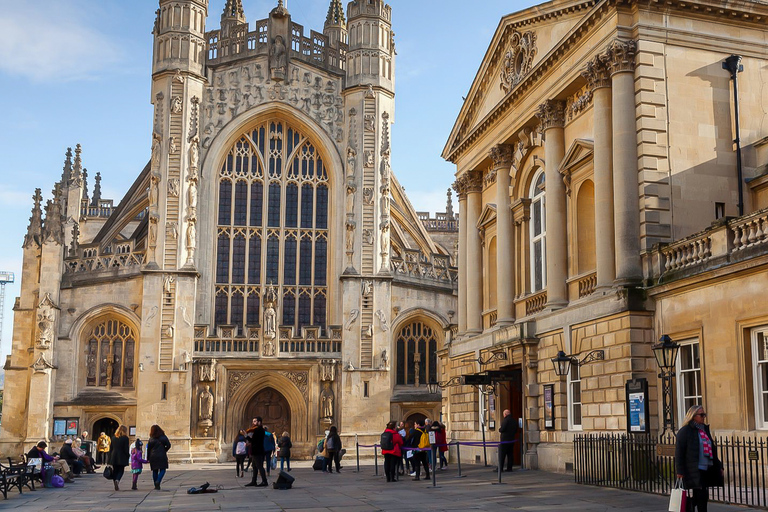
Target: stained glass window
272	170
416	337
109	349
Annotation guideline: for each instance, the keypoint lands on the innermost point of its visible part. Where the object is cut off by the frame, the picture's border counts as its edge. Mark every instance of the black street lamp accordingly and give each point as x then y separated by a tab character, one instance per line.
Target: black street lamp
665	352
733	66
562	362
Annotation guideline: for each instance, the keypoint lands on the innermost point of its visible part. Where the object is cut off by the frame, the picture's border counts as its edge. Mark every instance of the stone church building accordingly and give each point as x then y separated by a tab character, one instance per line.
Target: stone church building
266	260
604	204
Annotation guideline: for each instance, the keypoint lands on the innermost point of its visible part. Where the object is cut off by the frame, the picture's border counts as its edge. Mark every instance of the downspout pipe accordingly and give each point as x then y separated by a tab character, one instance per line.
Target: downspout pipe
733	65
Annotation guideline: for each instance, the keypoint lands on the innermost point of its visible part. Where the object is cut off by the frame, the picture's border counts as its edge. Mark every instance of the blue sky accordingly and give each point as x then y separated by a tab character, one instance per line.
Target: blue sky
78	71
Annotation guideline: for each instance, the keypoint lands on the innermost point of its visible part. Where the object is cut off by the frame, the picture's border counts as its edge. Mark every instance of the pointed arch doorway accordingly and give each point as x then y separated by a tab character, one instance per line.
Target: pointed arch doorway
273	408
106	425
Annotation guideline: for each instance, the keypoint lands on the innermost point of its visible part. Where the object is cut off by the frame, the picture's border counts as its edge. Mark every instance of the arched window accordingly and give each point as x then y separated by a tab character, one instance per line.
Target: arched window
416	354
272	228
538	234
585	227
110	354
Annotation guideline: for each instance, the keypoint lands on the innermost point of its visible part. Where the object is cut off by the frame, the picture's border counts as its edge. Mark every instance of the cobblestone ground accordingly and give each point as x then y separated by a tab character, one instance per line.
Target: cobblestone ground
346	491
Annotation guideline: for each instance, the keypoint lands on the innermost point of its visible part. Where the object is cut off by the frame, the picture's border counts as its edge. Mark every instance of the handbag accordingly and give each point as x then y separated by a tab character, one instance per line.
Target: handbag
273	462
108	472
678	497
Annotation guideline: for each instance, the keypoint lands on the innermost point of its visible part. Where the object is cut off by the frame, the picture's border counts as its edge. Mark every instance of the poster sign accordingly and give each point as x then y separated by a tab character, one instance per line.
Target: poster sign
549	406
59	427
72	427
637	406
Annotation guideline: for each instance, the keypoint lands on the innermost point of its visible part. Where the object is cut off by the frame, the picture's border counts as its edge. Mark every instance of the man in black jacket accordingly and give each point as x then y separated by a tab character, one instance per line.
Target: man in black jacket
256	433
508	431
68	455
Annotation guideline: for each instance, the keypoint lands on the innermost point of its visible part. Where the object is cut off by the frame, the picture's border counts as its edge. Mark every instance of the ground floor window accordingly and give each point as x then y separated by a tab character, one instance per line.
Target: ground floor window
574	398
688	377
760	375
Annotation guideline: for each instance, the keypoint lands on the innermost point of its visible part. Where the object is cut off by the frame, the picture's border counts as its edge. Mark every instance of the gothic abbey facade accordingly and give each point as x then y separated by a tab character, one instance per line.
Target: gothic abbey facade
264	262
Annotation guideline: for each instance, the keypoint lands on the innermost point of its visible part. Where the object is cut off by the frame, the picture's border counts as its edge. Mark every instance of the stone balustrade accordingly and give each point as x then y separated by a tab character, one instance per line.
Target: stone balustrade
587	284
726	241
315	49
91	259
248	341
413	268
536	302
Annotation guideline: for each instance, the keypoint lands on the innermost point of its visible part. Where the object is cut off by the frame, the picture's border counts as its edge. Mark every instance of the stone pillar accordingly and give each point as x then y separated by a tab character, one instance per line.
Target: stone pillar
460	189
474	263
598	75
505	268
621	59
552	116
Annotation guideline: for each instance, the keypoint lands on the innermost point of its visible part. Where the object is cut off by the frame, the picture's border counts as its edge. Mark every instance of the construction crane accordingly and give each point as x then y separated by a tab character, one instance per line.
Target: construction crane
5	278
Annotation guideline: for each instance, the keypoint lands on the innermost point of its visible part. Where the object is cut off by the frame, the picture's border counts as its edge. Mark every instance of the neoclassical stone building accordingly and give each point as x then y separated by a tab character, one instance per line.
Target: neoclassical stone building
264	262
600	207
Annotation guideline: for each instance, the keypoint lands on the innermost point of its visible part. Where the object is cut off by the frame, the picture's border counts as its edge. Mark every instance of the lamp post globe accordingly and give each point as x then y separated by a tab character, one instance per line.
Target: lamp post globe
562	363
432	386
665	352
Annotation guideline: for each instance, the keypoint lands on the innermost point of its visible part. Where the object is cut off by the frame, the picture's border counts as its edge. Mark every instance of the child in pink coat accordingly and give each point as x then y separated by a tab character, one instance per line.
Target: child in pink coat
137	463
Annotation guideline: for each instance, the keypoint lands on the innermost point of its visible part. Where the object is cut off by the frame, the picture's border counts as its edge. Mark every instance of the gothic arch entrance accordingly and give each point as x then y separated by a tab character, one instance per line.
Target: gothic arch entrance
273	408
106	425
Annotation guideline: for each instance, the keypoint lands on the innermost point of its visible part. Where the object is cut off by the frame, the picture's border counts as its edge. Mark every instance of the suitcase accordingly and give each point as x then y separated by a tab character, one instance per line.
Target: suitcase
319	463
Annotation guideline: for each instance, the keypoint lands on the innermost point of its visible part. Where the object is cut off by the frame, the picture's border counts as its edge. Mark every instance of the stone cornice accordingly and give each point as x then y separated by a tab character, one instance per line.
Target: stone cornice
458	143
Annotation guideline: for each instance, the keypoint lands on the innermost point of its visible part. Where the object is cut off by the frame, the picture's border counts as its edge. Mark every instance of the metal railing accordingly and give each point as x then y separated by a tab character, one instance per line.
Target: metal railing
642	463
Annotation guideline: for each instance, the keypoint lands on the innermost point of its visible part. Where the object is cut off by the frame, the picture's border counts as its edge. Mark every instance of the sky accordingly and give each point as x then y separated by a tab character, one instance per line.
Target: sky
79	71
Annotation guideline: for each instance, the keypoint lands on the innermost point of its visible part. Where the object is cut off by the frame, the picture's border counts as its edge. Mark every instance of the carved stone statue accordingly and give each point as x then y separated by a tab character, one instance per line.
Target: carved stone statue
45	323
351	154
352	318
176	105
368	158
207	370
326	401
206	404
270	328
173	187
269	348
367	288
156	152
278	60
194	153
191	241
192	197
351	198
384	361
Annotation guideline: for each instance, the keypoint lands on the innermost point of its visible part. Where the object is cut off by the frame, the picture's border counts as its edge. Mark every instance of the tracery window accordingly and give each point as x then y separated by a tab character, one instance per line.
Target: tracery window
272	228
110	354
538	234
416	341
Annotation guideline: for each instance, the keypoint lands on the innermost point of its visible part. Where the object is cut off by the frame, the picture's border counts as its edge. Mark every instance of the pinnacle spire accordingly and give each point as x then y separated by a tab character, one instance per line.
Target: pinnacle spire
35	228
85	184
66	175
335	15
77	170
233	11
96	191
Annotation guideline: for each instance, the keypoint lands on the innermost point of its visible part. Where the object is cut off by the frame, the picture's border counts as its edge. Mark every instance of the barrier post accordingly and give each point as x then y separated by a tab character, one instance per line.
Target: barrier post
434	465
485	452
376	458
458	458
357	449
498	457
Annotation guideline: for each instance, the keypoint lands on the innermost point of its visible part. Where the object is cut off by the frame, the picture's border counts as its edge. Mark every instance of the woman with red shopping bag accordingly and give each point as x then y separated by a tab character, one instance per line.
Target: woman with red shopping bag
696	461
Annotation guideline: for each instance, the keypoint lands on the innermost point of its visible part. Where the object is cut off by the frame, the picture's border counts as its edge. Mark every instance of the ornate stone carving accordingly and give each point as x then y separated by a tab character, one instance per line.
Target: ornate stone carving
369	123
351	158
621	56
502	155
41	365
270	316
46	323
157	152
353	315
172	229
300	379
367	288
35	228
206	370
384	245
191	240
551	114
474	181
205	402
236	90
326	402
278	60
176	105
53	228
158	124
152	314
173	187
194	122
383	325
328	369
597	72
518	59
579	102
350	245
368	195
384	360
368	158
368	236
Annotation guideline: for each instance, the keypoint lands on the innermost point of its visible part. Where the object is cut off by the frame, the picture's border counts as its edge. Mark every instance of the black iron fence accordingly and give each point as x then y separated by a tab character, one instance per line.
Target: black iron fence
643	463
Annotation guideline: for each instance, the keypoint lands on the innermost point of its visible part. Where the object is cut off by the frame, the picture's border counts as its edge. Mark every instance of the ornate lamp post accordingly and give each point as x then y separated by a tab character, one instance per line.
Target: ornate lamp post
562	362
665	352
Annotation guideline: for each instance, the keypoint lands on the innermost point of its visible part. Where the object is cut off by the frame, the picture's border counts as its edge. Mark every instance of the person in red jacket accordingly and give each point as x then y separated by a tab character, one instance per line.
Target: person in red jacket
442	443
391	442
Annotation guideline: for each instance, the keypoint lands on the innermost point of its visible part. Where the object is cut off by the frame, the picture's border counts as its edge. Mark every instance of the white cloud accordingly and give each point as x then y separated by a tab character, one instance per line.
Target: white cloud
45	40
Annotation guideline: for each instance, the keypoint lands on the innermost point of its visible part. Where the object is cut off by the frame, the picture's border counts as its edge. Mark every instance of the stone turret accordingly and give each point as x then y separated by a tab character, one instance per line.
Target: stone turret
335	24
232	16
180	36
371	55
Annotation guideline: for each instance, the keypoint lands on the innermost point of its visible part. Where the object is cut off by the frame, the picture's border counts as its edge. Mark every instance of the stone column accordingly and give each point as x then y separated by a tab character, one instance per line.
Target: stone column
505	275
474	263
552	116
598	75
621	59
460	189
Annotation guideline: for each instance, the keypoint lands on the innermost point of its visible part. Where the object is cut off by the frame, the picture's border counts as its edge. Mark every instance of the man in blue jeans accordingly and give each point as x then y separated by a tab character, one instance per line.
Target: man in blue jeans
256	433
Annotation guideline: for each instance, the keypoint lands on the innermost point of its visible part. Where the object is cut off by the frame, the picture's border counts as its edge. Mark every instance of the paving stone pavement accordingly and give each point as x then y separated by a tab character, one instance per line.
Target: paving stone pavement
348	491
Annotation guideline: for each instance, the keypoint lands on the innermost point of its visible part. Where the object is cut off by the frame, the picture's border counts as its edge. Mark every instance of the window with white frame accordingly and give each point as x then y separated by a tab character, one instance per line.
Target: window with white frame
538	233
760	375
688	377
574	398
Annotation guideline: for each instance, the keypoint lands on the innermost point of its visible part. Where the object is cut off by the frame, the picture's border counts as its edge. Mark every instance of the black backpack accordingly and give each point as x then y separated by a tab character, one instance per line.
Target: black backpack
387	441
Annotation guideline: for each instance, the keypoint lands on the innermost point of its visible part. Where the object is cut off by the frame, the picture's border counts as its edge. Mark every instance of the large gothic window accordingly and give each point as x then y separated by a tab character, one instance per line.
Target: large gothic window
416	354
110	347
272	228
